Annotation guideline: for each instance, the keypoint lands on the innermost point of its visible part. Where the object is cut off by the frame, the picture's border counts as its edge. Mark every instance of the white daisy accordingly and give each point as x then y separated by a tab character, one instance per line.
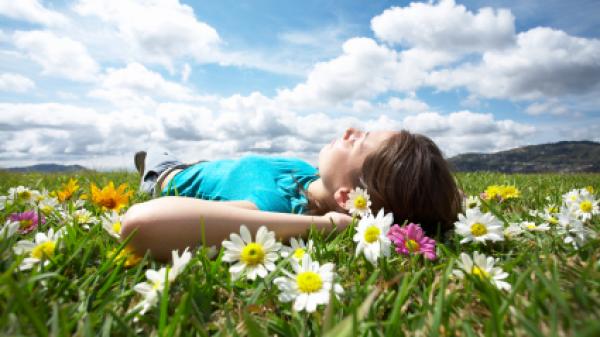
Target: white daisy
513	230
155	284
297	249
111	222
310	284
371	235
571	197
48	205
151	289
23	194
478	227
256	258
483	267
9	229
84	218
585	207
471	202
43	247
532	227
179	263
572	228
358	202
3	202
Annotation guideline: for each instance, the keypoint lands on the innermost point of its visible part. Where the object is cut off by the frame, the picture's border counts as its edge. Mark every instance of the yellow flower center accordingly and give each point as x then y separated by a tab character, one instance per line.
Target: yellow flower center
116	227
482	274
553	209
360	202
552	220
299	253
46	209
531	226
253	254
590	189
586	206
309	282
25	195
412	246
83	218
372	234
44	249
25	223
478	229
109	203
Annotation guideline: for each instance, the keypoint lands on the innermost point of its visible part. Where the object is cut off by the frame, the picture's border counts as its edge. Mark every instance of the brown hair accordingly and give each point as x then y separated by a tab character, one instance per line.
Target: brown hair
409	177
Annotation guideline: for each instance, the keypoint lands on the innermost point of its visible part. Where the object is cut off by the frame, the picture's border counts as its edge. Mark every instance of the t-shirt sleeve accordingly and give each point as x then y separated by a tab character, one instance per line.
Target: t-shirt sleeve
269	201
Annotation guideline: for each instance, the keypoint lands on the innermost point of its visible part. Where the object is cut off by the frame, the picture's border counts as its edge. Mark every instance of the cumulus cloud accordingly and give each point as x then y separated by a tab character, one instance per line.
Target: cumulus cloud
362	71
158	31
551	107
409	105
31	11
15	83
58	56
445	26
543	63
466	131
135	85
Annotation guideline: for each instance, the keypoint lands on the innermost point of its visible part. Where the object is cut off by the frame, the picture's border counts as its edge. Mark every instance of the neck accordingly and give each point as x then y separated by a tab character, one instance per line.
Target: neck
321	196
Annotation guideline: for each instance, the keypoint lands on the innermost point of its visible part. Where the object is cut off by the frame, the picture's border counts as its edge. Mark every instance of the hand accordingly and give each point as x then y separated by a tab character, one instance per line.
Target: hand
342	220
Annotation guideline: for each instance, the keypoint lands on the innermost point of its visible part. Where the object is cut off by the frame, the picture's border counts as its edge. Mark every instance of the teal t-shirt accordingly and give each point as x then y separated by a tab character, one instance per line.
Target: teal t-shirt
271	183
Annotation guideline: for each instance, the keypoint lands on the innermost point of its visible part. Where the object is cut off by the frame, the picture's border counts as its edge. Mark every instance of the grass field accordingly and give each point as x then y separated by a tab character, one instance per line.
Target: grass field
85	290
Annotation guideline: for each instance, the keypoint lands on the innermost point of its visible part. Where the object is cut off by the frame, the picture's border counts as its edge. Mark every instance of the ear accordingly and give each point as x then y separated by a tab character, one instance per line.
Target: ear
341	195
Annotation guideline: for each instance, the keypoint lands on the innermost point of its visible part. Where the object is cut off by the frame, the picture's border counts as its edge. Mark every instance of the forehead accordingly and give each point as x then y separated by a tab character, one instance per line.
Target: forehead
381	136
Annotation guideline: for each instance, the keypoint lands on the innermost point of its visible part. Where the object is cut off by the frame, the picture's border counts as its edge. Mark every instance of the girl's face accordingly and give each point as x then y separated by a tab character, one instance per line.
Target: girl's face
344	156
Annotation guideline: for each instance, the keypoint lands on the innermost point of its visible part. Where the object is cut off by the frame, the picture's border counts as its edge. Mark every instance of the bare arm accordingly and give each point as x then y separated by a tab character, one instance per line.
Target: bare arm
169	223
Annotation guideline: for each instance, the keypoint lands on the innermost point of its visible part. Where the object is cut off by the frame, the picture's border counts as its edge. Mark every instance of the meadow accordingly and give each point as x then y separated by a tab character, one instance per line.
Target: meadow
84	283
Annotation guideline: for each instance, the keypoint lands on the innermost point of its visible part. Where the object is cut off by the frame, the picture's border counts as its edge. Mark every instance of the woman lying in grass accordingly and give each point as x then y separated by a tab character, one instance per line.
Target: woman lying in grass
404	173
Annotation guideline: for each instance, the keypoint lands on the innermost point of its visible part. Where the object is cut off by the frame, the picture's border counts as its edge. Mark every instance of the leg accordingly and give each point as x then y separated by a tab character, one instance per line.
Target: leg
151	165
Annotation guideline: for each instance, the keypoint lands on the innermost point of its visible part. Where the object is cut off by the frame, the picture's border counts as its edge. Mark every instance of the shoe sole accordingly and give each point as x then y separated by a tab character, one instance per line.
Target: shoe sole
139	159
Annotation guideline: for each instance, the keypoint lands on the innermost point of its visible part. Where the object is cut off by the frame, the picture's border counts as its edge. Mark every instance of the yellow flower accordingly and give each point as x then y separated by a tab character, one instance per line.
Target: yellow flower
68	190
127	254
501	192
109	197
492	192
509	192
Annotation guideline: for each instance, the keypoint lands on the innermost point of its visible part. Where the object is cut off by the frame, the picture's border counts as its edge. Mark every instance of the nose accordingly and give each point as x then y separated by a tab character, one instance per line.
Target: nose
349	132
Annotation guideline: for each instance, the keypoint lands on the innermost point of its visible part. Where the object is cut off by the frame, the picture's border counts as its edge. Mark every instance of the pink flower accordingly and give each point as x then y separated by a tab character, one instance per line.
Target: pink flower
28	221
411	239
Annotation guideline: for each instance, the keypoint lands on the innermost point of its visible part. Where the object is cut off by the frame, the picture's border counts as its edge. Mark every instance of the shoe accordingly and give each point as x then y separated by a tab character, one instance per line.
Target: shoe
139	159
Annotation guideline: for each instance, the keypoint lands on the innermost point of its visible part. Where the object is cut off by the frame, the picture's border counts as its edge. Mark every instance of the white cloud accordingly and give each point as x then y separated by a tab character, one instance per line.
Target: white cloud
466	131
551	107
445	26
409	105
544	63
158	31
364	69
136	85
32	11
58	56
15	83
186	71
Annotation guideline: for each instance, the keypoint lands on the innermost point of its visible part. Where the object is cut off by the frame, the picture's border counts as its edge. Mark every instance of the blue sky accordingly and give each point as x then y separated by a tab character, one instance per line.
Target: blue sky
92	81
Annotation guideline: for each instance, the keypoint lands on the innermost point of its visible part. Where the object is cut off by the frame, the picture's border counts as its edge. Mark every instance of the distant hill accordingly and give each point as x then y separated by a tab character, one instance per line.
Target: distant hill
46	168
567	156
